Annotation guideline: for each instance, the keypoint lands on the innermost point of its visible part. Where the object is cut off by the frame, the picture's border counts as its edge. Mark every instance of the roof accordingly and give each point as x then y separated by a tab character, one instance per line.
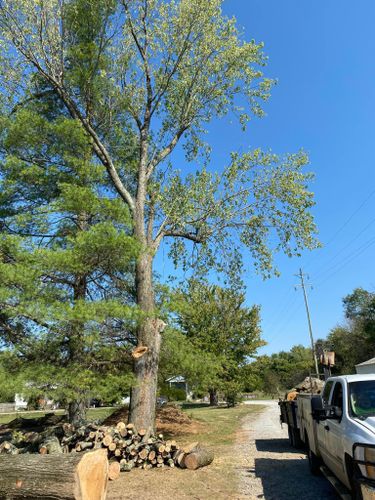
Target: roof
368	362
177	379
354	378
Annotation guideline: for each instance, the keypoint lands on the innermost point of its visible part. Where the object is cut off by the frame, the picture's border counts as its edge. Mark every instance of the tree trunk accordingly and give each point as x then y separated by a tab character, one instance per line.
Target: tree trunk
80	476
213	397
77	411
143	394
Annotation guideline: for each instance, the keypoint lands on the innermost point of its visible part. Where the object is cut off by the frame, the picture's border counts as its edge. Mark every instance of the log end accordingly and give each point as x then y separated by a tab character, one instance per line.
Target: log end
92	472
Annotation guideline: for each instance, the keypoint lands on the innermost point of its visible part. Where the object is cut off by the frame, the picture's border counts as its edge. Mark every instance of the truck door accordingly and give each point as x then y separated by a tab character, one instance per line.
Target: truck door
321	433
335	430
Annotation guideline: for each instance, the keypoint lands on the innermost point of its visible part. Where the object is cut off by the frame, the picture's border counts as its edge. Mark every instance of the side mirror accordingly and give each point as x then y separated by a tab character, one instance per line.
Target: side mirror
335	413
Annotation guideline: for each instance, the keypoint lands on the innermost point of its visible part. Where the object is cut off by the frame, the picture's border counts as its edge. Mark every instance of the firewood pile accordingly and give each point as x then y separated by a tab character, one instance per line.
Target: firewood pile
126	446
308	385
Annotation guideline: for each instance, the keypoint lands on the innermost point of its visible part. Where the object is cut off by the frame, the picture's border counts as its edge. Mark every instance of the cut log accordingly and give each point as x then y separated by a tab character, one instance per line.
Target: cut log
114	470
78	476
179	459
198	457
190	447
51	446
107	440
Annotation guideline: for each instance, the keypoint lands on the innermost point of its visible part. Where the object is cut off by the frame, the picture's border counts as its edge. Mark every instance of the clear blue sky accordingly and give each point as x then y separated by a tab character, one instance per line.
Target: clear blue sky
322	53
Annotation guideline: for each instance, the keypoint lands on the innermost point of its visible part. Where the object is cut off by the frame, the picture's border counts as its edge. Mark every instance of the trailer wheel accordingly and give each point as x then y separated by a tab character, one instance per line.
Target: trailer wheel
290	436
298	443
314	462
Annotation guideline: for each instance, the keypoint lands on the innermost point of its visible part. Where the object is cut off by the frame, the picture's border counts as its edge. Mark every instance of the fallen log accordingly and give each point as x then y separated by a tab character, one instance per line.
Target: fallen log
198	457
78	476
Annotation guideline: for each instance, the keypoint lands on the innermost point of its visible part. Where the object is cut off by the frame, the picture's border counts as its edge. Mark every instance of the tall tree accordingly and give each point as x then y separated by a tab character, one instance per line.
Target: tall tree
217	322
65	260
159	71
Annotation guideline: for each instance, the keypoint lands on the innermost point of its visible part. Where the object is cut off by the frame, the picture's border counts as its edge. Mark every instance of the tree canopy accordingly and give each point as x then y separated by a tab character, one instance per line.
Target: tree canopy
218	323
141	79
66	261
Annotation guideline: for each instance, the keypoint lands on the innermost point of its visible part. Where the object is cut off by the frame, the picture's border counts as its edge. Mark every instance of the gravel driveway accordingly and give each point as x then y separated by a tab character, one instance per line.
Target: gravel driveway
272	469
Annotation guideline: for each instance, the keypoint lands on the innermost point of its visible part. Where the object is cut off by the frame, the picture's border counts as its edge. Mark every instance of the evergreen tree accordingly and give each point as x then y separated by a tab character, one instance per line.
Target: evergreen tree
66	261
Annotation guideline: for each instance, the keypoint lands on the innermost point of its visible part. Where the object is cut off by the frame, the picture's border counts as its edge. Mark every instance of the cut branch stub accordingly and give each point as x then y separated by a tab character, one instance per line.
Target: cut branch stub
139	351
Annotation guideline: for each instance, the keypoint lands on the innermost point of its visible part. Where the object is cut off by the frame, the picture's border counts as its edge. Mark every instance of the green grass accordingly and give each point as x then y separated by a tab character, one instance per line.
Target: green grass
219	426
93	414
220	423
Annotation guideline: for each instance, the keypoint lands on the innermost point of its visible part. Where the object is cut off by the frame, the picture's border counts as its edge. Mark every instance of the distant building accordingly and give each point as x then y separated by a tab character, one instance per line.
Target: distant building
366	367
19	402
180	383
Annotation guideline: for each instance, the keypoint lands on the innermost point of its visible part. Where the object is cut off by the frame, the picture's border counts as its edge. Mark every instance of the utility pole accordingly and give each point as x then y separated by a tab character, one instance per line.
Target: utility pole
303	286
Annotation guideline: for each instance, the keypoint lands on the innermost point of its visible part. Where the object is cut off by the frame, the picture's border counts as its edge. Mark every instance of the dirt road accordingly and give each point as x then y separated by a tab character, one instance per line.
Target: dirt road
270	468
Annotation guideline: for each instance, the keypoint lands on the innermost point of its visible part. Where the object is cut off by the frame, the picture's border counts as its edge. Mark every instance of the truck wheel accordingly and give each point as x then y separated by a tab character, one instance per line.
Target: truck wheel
314	462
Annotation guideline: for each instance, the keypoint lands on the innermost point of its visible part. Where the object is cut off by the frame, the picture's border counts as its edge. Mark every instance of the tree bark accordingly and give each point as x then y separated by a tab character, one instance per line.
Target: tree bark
77	409
143	394
82	476
213	397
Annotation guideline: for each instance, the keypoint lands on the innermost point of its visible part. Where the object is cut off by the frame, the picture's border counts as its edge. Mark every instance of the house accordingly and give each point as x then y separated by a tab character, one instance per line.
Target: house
180	383
366	367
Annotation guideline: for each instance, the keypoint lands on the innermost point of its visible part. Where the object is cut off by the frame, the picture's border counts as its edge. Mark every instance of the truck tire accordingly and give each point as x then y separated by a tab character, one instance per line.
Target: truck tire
314	461
353	475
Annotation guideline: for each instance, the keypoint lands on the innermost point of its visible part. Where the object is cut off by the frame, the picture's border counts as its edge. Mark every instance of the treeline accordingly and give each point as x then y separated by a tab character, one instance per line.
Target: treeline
353	342
275	373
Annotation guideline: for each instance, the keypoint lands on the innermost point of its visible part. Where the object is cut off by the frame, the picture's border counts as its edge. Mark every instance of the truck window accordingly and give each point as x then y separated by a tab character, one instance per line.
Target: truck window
362	398
337	397
326	392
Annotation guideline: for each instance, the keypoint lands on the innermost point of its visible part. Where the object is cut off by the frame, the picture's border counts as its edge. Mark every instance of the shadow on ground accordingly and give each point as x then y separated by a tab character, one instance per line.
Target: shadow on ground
286	476
275	446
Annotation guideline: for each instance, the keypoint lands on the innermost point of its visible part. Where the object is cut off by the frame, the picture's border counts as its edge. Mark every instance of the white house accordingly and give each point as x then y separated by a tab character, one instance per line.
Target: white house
366	367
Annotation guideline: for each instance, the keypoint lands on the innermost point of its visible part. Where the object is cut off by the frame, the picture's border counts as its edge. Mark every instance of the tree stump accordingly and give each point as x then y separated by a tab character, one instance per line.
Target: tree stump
78	476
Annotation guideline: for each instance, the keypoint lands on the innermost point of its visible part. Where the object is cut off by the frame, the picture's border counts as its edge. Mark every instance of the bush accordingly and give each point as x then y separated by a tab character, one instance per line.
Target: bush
173	393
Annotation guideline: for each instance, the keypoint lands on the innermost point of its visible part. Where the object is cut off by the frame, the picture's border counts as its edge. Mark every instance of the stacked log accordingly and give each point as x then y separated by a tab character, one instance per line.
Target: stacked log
126	447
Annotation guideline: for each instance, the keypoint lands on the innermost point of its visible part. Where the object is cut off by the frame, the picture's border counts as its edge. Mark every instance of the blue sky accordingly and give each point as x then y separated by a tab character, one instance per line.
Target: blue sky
322	53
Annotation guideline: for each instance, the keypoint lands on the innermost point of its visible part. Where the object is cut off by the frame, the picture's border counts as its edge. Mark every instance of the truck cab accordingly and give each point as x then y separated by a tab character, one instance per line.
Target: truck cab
339	428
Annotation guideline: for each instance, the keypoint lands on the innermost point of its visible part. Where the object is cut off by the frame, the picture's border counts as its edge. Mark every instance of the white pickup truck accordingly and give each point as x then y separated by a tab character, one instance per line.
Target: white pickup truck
338	429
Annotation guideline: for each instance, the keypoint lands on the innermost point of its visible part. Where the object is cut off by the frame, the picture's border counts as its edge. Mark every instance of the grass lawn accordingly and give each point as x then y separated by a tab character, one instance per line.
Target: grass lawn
221	423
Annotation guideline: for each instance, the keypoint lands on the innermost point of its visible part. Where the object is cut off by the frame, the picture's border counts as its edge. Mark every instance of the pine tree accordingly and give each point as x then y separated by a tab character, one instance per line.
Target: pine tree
66	261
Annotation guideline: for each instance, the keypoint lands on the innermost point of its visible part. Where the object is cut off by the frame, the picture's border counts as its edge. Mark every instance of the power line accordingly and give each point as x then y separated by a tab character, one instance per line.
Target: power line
349	259
322	270
349	219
